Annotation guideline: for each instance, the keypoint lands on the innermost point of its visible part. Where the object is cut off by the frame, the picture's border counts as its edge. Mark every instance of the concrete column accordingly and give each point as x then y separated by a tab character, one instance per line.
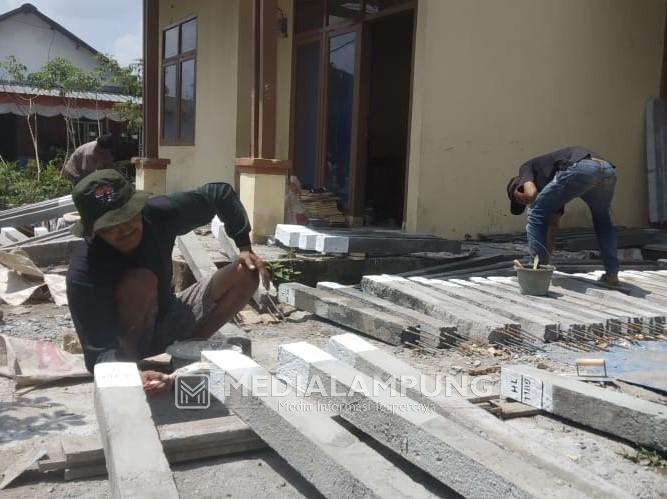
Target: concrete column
151	174
262	184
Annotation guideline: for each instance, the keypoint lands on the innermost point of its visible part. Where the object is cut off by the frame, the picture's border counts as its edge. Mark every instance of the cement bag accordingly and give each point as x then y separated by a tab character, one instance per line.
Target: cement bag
31	362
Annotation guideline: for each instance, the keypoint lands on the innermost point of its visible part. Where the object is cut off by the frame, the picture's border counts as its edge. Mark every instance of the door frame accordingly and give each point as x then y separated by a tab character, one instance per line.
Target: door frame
360	100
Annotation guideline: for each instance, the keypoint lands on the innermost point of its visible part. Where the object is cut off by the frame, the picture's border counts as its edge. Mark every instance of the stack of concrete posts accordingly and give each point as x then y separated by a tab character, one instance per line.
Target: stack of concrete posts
464	449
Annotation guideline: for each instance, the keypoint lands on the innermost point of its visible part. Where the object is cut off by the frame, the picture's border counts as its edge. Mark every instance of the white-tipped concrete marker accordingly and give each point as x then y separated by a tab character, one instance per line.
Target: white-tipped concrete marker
375	362
326	454
627	417
332	244
135	461
345	311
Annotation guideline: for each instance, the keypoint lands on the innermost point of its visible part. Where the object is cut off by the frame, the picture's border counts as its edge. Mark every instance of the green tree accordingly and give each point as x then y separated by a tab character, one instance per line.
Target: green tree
129	81
61	75
15	71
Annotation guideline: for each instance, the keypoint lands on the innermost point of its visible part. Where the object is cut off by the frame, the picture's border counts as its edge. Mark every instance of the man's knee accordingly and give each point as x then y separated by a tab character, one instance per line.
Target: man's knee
137	290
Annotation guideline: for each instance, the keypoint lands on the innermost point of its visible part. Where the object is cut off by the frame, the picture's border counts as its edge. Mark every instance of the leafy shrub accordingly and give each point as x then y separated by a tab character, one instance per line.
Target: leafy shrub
20	186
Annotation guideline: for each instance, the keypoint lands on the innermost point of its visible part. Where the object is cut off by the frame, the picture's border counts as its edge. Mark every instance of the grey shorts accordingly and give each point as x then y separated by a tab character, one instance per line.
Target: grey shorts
189	308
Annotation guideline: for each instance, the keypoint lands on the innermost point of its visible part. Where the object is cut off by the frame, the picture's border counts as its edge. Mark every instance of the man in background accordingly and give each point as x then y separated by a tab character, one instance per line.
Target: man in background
91	156
548	182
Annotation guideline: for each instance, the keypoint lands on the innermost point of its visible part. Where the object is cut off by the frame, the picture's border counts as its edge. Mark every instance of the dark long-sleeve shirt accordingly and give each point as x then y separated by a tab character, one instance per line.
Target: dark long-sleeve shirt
95	267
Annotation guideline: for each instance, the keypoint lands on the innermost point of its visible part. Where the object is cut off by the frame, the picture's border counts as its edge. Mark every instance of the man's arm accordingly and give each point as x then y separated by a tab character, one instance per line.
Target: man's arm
196	208
73	164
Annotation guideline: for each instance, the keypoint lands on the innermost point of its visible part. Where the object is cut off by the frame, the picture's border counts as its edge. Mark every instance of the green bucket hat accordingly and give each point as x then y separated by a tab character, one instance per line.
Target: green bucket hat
103	199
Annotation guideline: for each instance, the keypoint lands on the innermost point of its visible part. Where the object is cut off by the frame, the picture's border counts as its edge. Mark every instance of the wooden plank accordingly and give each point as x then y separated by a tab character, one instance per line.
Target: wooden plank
181	441
185	441
512	409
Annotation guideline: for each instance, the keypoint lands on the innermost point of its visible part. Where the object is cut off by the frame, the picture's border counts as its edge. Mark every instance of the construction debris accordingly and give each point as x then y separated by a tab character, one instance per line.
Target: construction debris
37	212
322	205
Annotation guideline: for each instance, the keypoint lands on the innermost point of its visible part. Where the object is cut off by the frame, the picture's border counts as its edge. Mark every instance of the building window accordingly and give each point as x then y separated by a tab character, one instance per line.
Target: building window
179	55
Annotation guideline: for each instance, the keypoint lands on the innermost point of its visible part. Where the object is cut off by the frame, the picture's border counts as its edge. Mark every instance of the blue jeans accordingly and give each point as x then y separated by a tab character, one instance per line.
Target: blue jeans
590	180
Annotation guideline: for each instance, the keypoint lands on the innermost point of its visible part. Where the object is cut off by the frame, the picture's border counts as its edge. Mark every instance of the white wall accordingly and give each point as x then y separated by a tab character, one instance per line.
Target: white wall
34	43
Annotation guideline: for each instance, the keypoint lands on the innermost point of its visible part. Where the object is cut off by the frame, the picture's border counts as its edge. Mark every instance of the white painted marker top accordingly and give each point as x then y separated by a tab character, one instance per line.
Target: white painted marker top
352	342
117	375
307	352
229	359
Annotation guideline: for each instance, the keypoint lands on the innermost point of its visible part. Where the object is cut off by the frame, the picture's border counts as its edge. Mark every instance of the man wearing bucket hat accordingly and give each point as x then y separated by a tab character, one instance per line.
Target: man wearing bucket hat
119	278
547	183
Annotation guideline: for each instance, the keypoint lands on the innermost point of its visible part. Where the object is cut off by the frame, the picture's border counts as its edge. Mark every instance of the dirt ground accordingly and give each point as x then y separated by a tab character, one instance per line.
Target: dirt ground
36	418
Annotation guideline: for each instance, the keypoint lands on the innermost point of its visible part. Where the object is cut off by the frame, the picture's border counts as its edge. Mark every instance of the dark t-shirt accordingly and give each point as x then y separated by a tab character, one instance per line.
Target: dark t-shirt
95	267
542	169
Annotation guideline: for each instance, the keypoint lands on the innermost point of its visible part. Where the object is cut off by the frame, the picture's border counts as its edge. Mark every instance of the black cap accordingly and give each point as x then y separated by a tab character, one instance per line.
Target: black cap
515	208
105	198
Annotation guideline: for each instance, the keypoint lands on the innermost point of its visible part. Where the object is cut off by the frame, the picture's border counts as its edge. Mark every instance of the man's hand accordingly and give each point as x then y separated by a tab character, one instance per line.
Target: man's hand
253	262
155	383
526	193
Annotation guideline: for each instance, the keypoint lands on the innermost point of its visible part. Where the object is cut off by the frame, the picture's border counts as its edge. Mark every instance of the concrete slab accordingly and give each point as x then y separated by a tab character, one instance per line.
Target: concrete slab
135	461
375	362
470	321
630	418
195	254
462	460
336	462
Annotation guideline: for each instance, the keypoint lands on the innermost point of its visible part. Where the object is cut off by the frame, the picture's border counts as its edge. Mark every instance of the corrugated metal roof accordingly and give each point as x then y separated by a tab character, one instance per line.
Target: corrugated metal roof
98	96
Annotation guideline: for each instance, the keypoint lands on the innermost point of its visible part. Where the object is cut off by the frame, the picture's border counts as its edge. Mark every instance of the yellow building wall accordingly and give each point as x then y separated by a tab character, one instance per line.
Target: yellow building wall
498	82
212	156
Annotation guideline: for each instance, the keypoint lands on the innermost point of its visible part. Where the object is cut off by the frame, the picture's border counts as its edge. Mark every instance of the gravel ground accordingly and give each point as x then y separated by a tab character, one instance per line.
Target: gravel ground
38	417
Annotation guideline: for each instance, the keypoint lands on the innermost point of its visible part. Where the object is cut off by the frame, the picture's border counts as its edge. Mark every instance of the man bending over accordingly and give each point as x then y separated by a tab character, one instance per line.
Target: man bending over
547	183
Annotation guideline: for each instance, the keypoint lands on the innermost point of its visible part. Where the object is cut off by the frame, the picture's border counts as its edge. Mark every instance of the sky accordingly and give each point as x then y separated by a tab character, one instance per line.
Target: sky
110	26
